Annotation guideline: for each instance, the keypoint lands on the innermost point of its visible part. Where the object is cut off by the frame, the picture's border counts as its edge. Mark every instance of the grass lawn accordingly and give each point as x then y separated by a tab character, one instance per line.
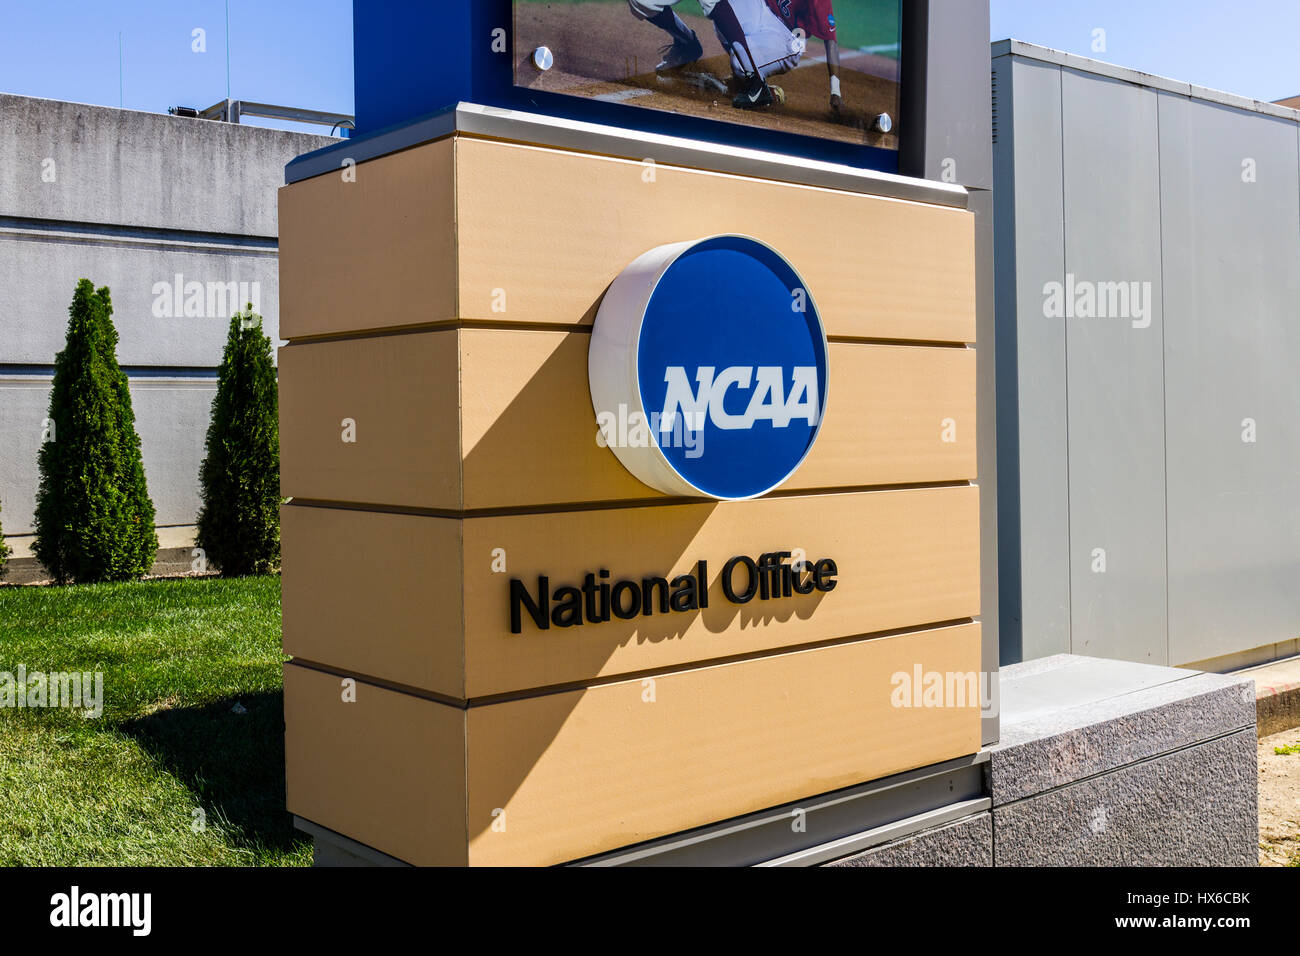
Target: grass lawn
170	773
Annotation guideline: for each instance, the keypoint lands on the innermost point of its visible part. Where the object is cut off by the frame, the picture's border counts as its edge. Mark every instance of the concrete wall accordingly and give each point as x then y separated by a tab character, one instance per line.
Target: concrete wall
1136	522
130	200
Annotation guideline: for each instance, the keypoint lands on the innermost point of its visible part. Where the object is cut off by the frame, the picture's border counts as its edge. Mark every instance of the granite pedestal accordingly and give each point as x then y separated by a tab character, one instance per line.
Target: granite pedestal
1107	763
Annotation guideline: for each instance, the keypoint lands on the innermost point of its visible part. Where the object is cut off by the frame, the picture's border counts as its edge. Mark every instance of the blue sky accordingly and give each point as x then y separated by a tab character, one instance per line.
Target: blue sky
1246	47
286	52
299	53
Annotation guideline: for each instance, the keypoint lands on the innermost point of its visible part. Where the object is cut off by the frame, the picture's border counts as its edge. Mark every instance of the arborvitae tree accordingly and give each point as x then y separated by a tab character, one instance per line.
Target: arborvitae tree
239	523
4	554
94	519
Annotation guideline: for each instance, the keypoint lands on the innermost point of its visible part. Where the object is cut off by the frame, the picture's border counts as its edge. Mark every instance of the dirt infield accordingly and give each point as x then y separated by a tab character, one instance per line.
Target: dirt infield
603	52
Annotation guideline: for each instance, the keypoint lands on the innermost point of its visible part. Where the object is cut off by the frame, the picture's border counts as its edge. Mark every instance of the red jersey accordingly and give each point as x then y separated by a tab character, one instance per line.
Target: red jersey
814	17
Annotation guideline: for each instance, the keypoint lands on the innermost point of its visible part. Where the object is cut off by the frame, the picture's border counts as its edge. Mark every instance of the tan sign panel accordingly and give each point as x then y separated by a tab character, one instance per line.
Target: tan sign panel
552	778
384	768
358	421
896	415
538	234
904	558
372	246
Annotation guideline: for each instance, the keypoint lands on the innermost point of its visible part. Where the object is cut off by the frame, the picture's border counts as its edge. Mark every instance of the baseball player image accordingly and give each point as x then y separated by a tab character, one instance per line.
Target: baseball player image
757	40
815	18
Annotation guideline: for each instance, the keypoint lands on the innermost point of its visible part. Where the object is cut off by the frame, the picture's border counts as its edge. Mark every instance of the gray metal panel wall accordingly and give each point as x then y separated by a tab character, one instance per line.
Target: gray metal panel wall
1033	465
948	123
1232	272
956	85
1197	193
1114	375
987	439
1006	403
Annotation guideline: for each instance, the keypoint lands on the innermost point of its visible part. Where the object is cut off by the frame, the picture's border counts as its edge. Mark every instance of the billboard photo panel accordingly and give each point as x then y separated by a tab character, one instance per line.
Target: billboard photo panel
827	69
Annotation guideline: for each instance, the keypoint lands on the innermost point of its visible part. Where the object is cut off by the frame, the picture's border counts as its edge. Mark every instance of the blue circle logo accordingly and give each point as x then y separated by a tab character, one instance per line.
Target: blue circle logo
708	368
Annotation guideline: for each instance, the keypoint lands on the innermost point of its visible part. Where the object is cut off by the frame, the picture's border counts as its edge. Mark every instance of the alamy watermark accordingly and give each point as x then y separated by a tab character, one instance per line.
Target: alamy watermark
133	911
932	689
1083	299
628	429
36	689
178	298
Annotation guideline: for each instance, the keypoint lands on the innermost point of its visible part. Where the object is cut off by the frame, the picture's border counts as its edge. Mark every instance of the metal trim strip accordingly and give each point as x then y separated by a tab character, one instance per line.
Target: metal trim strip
488	122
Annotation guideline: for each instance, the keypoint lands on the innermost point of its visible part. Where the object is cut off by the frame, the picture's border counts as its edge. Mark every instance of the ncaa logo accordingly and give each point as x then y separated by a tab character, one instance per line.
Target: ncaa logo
708	368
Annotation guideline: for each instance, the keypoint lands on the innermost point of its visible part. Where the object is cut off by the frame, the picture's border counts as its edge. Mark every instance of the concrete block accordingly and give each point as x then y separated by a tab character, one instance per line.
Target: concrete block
171	419
24	405
1277	696
1194	807
131	200
175	556
135	168
1065	718
212	277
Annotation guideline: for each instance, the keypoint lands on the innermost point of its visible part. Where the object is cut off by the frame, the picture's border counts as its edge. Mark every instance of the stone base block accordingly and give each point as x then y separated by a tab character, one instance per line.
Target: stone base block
1107	763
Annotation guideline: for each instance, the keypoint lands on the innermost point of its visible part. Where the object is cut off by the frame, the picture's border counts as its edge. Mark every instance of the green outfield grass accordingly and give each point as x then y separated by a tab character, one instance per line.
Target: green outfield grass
170	774
859	23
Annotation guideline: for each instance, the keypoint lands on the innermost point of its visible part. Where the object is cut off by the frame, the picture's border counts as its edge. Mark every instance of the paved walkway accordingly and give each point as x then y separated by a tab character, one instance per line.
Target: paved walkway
1277	695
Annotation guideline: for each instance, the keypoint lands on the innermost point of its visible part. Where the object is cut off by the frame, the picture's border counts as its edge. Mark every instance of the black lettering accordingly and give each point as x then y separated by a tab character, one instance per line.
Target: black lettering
779	571
766	562
599	600
684	594
520	598
648	586
727	585
616	601
568	609
774	572
824	575
802	581
589	597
